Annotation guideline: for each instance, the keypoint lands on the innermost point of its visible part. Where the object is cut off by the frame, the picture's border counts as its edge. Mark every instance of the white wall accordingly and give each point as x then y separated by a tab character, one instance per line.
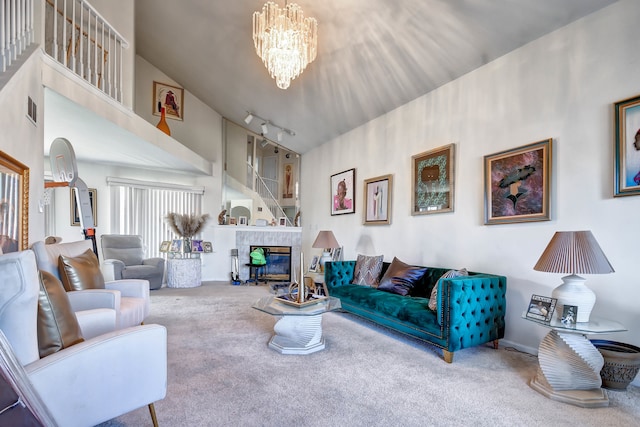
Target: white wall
201	129
561	86
20	138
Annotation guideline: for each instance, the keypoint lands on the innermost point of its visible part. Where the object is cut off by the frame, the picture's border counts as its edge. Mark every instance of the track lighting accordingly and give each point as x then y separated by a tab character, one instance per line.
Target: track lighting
275	150
264	142
288	155
265	123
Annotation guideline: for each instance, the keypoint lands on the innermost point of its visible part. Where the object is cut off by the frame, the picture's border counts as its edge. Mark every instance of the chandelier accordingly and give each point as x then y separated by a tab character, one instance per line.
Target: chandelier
285	40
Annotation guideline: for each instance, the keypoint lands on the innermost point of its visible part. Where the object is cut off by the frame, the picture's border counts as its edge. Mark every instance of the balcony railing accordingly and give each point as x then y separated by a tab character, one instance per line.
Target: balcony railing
77	37
16	30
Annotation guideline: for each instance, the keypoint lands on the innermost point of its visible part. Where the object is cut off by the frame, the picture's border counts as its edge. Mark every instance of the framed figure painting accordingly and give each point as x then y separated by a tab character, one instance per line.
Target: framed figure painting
627	152
517	184
377	200
432	181
343	196
14	204
169	97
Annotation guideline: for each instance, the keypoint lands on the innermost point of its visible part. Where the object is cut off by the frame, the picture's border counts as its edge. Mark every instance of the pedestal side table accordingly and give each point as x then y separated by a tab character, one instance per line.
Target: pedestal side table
184	272
569	364
299	329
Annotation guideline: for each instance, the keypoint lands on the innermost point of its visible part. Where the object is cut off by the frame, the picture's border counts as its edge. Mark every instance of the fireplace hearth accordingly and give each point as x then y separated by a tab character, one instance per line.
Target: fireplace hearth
278	266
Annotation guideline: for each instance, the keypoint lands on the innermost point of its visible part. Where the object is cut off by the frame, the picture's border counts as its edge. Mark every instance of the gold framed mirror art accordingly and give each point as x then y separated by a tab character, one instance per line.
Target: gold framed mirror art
14	204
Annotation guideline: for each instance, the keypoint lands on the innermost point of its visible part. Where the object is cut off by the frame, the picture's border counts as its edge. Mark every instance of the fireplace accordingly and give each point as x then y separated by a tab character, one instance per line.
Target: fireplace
278	262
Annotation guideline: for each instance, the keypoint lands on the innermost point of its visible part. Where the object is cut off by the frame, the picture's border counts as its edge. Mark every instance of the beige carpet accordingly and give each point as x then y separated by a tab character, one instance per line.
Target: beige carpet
221	373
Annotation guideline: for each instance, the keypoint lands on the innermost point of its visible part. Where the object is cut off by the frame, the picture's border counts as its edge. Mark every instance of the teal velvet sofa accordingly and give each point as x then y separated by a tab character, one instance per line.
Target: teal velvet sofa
470	309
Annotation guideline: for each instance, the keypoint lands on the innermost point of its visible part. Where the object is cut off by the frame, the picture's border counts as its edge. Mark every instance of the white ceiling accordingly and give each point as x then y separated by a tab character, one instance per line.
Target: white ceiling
373	55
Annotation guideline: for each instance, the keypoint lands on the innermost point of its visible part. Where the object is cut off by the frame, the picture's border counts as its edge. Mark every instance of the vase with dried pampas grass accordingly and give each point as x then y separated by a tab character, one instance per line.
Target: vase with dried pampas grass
186	226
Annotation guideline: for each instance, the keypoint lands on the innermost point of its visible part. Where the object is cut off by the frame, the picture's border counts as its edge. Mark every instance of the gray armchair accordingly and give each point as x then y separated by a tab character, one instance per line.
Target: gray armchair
124	259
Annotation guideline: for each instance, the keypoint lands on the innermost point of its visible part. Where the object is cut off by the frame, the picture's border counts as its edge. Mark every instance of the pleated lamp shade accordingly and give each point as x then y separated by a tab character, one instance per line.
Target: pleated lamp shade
327	241
574	252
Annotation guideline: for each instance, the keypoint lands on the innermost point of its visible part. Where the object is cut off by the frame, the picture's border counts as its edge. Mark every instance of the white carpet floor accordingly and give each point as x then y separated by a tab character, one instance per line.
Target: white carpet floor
221	373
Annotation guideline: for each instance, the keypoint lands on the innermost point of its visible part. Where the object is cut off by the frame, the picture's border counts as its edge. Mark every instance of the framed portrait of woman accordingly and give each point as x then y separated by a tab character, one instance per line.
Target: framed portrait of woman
343	193
627	150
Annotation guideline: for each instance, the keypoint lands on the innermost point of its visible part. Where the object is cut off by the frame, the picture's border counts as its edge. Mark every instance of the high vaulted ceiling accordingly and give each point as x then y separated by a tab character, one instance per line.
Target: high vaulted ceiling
373	55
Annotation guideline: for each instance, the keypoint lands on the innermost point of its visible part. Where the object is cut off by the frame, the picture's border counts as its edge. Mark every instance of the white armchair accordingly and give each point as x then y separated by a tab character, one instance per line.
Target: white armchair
131	301
89	382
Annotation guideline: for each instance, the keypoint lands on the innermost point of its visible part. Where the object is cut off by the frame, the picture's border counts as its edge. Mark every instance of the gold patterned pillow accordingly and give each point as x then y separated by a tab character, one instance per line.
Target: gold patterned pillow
433	301
367	270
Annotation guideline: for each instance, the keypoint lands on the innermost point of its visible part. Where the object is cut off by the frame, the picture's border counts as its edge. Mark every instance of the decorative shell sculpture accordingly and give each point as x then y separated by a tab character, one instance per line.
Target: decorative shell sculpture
186	225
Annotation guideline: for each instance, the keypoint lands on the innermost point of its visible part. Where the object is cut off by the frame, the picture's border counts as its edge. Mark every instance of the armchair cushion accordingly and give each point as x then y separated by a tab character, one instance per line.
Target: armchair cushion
81	272
58	326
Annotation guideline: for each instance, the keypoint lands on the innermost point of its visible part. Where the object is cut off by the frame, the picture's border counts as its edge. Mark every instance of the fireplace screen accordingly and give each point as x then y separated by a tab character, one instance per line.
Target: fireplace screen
278	262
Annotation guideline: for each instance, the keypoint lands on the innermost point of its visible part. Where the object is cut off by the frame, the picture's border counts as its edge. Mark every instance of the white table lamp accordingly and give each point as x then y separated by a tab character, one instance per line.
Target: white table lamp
574	252
327	241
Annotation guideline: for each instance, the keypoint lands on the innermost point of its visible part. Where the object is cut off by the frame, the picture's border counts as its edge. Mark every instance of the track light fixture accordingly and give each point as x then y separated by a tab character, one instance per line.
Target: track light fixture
264	142
266	123
288	155
275	149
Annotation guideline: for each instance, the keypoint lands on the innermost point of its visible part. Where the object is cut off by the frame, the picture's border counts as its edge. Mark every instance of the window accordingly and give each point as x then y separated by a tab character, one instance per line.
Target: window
141	207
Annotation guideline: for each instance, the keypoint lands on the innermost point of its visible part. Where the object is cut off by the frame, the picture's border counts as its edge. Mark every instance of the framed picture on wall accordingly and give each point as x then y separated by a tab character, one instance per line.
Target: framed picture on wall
75	212
343	193
288	184
169	97
432	181
517	184
627	152
377	200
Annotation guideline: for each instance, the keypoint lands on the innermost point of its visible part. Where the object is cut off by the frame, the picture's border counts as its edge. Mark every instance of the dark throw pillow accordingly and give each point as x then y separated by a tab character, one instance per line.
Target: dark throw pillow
80	272
58	326
367	270
400	278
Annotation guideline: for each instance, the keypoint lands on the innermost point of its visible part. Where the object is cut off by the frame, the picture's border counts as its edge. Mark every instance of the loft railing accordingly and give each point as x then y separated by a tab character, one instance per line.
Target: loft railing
16	30
77	37
262	187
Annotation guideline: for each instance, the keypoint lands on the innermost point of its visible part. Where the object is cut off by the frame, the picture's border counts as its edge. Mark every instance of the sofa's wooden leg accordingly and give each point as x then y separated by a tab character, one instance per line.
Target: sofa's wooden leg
152	411
495	344
448	356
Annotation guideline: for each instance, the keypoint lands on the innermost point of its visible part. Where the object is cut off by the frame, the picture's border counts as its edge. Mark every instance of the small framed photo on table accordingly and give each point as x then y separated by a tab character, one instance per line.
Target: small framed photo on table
196	246
207	247
313	267
242	220
541	308
165	246
569	315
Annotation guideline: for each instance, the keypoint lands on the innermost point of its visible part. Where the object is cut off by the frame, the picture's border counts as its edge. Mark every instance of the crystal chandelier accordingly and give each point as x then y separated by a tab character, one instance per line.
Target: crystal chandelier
285	40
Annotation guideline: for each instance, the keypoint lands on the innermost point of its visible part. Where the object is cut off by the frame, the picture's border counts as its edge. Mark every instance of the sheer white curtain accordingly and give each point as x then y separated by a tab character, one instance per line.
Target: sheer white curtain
139	207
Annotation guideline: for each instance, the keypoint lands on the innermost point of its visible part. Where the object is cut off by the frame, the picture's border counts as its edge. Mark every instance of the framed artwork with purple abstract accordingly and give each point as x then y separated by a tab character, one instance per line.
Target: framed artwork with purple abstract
627	157
517	184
